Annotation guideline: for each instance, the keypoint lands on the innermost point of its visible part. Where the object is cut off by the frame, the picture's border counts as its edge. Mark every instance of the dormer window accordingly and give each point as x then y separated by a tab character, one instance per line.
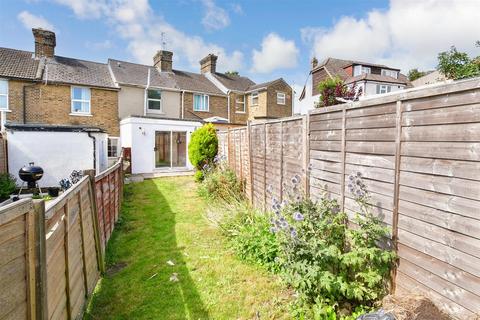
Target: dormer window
359	69
390	73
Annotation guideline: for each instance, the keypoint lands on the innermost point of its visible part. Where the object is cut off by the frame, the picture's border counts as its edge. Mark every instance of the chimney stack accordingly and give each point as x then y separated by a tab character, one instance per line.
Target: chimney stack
314	63
163	60
44	43
208	64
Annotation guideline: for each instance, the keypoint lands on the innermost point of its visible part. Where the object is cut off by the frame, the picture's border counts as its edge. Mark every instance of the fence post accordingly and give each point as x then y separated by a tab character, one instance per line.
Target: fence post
281	160
398	137
66	225
93	199
41	306
82	240
306	150
264	166
250	158
342	181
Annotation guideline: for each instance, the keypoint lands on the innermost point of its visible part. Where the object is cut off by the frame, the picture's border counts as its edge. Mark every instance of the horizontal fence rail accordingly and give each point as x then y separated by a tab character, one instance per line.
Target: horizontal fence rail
51	256
418	152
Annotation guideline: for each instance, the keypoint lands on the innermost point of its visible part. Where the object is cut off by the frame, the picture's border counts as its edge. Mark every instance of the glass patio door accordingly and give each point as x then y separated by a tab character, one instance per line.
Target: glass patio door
170	149
162	149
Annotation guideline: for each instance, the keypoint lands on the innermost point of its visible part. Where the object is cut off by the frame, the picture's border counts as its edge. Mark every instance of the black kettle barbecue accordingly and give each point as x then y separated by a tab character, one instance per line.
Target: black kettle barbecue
31	174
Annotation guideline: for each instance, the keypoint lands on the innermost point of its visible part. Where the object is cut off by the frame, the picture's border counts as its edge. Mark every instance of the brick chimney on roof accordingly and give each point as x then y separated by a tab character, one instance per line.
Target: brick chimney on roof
163	60
45	43
208	64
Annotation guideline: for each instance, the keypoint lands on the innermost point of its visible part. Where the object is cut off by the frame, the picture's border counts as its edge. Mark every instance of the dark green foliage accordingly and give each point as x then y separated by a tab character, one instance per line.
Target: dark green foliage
220	183
458	65
414	74
337	272
333	88
232	73
7	185
203	146
251	238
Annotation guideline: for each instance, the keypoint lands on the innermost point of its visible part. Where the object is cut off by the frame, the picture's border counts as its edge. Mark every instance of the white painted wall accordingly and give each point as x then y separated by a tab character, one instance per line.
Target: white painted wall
139	135
58	153
371	87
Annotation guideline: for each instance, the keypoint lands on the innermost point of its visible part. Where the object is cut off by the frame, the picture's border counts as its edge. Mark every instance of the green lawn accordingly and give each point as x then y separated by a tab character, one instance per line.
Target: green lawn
163	220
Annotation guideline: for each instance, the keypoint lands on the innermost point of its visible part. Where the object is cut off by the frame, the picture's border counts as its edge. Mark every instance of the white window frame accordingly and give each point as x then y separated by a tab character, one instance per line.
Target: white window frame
252	97
242	102
73	112
284	99
366	70
159	100
206	102
117	147
384	88
5	95
390	73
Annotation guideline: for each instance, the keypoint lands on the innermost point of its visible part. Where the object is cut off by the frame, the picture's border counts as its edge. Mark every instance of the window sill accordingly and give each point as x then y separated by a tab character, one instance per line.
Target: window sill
81	114
206	111
5	110
240	112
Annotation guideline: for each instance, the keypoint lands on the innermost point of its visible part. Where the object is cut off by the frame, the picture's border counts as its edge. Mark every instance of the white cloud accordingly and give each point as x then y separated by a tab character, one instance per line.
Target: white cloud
135	21
276	53
237	8
30	21
215	18
101	45
409	34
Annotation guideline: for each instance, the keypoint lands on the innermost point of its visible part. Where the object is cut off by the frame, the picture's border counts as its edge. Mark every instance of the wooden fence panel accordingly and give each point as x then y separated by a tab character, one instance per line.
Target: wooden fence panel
419	156
17	261
418	152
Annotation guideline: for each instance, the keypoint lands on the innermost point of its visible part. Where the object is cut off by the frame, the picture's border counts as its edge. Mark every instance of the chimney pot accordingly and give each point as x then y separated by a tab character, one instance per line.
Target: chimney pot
163	60
314	63
209	64
45	43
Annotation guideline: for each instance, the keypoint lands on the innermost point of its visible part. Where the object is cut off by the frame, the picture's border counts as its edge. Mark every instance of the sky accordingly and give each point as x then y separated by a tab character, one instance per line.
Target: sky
261	39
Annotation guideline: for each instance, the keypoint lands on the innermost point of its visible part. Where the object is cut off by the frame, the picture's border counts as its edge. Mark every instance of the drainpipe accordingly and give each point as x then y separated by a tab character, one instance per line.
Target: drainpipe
183	107
228	105
94	151
146	93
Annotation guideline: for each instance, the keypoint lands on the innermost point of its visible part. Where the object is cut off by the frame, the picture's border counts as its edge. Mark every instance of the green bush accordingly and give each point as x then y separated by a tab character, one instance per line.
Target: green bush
199	176
251	238
7	185
220	183
203	146
325	261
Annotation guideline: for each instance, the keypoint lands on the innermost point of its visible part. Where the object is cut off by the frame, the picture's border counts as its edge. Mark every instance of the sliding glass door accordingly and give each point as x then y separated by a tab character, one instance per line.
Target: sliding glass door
170	149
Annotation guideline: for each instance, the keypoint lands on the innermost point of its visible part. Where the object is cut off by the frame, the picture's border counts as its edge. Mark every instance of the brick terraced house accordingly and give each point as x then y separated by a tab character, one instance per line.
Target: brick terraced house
56	111
159	107
151	109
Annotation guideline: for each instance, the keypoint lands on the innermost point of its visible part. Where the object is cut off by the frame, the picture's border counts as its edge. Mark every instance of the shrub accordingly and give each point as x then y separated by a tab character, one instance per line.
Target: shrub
198	176
331	89
7	185
249	233
326	262
203	146
220	183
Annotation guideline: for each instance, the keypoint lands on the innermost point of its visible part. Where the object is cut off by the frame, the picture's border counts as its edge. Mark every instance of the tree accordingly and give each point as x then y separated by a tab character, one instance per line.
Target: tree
232	73
333	88
458	65
414	74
